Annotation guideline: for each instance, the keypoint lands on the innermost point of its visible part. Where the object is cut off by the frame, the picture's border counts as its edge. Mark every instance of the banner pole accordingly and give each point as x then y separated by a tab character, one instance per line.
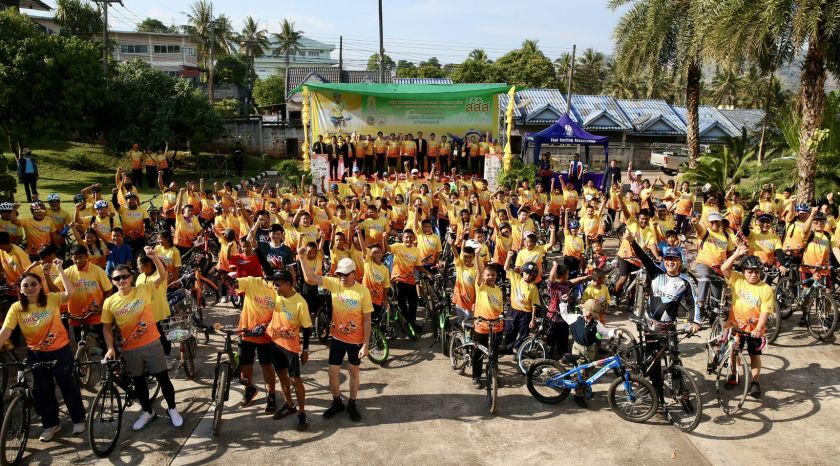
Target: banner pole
305	115
508	157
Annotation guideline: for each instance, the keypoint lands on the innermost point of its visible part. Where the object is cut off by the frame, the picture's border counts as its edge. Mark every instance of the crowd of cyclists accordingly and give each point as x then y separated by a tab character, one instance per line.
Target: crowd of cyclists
365	244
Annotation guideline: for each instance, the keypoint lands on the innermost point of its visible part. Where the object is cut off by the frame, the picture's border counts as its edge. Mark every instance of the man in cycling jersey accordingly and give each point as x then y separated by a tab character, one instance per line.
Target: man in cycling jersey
752	302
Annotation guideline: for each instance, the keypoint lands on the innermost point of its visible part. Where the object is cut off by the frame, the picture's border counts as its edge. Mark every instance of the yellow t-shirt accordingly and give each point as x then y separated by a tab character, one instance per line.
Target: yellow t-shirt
14	263
37	233
488	304
132	222
572	245
290	315
258	307
764	245
349	305
376	280
374	229
160	305
89	287
405	259
645	237
818	250
102	226
712	248
523	295
41	326
60	218
186	230
463	294
134	315
535	255
601	295
428	245
749	301
171	259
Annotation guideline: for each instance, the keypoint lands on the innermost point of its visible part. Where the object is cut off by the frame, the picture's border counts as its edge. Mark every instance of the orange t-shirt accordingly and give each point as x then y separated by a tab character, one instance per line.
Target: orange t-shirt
463	294
41	326
290	315
405	259
38	233
259	306
134	315
376	280
89	286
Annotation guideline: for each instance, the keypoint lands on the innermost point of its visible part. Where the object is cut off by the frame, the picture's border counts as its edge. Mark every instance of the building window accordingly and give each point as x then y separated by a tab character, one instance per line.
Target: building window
314	53
189	51
134	49
301	53
167	49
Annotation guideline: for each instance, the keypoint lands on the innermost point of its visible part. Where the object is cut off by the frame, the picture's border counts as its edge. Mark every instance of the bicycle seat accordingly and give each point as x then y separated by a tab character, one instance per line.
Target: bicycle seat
469	325
573	358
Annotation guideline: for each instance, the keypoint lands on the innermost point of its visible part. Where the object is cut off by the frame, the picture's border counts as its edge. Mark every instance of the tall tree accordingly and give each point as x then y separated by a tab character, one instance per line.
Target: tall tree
780	29
253	42
653	35
476	69
430	69
590	72
387	62
270	91
526	66
288	40
562	65
204	28
77	18
153	25
406	69
726	86
479	55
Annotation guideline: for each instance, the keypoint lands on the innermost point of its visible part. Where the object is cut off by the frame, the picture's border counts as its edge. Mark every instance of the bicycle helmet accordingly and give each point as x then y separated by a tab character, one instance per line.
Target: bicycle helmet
78	198
53	197
819	216
131	195
6	207
765	217
751	263
574	224
661	206
803	207
37	205
100	204
529	268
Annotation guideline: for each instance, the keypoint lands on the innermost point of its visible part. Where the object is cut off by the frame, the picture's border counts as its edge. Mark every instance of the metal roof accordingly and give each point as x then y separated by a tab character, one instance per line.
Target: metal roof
296	75
713	125
354	76
652	117
749	118
422	81
304	43
600	113
537	106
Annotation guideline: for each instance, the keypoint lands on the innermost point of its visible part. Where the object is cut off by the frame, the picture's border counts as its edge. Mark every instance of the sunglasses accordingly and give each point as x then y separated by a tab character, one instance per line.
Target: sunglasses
341	275
119	278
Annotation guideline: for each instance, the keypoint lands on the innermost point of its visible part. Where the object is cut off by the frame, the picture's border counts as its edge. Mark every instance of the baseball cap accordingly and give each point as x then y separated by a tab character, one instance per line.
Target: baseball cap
345	266
765	217
638	172
414	171
672	252
100	204
280	276
715	217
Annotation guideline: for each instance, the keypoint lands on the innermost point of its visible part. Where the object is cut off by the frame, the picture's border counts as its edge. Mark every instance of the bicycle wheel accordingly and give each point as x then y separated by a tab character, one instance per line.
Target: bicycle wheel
632	398
530	349
220	383
105	421
15	431
408	328
188	357
209	295
774	325
683	406
443	332
492	386
822	315
732	382
377	346
544	381
322	325
459	355
785	296
82	365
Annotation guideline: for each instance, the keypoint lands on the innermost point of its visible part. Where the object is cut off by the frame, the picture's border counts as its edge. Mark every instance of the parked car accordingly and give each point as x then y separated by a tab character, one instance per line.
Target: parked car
669	162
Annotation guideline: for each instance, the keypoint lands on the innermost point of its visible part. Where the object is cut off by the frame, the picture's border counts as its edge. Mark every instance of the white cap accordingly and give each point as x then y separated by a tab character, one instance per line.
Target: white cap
715	217
346	265
414	171
638	172
356	170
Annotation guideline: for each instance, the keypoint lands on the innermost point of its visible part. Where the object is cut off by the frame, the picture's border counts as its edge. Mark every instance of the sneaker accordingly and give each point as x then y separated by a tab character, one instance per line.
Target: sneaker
580	401
224	299
250	394
284	411
731	381
302	424
49	433
271	404
78	428
354	413
143	419
175	417
477	383
336	407
755	390
613	302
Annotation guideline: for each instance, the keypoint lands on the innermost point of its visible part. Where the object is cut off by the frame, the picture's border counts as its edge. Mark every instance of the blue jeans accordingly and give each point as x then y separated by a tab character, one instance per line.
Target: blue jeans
45	380
516	330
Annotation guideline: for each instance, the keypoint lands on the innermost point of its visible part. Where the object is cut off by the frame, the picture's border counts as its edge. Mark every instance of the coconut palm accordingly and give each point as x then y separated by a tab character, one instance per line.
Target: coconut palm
288	40
479	56
530	46
253	41
590	72
77	18
726	87
653	35
204	29
562	65
776	31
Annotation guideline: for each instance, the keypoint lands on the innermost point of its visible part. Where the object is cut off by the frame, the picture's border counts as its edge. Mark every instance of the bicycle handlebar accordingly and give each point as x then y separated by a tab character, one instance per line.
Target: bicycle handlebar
84	317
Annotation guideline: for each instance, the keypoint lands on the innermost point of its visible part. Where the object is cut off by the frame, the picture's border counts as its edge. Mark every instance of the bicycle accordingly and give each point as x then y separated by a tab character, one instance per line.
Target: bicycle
14	433
401	321
818	306
630	396
227	367
323	317
490	352
685	407
437	307
181	329
731	369
106	410
87	345
534	347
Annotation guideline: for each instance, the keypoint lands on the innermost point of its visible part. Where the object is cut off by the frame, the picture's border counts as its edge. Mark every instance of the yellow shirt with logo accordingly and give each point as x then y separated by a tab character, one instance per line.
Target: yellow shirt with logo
523	295
749	301
290	315
40	325
349	305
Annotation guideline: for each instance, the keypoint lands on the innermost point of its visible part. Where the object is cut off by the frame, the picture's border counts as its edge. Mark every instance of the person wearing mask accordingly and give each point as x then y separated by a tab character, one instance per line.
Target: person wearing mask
131	309
27	169
38	315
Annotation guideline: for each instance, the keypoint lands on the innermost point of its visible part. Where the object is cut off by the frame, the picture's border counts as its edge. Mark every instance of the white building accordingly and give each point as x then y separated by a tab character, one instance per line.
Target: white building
311	54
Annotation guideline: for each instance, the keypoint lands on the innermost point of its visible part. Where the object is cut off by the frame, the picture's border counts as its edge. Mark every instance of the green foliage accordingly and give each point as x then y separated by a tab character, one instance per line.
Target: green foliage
81	162
518	171
590	72
387	62
475	71
49	85
226	108
430	68
149	107
288	40
526	67
406	69
724	167
270	91
290	172
77	18
155	25
232	69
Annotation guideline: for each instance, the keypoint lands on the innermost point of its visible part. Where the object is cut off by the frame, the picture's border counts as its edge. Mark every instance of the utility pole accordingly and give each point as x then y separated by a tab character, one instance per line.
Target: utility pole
571	80
381	48
340	55
105	50
212	51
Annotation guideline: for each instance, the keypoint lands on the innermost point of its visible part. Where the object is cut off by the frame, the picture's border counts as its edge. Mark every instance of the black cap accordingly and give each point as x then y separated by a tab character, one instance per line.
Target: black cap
280	276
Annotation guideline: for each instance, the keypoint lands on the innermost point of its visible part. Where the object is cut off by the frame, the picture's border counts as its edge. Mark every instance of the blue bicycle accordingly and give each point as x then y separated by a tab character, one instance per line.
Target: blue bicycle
631	397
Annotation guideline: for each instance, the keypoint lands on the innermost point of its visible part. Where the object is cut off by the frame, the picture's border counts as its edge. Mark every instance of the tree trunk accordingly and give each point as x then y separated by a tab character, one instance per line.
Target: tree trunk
767	104
692	102
812	101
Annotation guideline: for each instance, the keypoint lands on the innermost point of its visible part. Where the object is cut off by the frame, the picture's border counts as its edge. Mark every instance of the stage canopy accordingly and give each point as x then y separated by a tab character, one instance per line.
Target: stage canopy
410	91
566	132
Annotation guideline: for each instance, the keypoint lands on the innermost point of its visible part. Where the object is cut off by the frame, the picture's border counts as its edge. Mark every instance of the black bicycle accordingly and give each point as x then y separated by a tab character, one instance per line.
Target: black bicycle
227	367
491	355
106	410
87	345
14	432
534	347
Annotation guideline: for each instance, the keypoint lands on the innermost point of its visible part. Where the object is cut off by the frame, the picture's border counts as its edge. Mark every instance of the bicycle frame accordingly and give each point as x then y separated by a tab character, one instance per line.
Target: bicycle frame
606	365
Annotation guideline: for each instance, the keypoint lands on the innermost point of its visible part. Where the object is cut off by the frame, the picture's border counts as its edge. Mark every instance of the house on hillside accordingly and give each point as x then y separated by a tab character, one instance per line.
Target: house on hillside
311	54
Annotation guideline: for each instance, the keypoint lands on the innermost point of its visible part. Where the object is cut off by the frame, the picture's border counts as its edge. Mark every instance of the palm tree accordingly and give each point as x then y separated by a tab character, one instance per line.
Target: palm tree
253	41
530	46
479	56
619	85
288	41
727	85
198	27
656	34
562	65
775	31
590	72
76	18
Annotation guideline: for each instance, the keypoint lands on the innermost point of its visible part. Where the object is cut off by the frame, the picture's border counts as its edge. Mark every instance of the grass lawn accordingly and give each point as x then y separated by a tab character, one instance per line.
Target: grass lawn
63	171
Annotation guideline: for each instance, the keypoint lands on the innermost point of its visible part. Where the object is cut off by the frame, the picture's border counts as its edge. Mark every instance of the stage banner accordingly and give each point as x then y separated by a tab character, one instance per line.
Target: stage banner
368	108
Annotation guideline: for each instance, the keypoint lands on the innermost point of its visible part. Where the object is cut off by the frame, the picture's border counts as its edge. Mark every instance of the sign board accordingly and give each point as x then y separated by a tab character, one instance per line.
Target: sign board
492	170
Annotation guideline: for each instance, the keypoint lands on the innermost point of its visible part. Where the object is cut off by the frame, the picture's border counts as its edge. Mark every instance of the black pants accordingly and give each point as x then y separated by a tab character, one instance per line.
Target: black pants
410	161
655	372
407	301
30	185
368	165
238	165
137	177
167	345
46	378
393	162
444	164
557	339
334	170
516	329
478	356
348	164
141	389
380	163
151	176
464	163
167	176
421	163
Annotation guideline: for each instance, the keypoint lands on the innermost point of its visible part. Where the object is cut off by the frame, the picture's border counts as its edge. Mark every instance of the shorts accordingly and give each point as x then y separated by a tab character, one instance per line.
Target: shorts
753	345
146	358
285	359
625	268
339	348
247	350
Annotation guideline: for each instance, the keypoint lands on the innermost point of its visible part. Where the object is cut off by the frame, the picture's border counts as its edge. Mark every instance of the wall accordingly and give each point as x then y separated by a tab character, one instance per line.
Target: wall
272	139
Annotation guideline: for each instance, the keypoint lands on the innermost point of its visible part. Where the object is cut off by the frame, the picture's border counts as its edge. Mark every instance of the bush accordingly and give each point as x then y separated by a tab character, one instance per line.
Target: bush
290	172
518	171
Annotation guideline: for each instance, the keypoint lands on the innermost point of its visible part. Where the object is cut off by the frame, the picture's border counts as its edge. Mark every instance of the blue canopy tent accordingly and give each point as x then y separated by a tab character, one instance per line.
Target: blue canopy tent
566	132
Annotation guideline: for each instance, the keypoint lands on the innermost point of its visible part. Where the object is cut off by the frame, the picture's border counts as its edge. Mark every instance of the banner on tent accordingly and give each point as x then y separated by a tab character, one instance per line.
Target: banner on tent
345	112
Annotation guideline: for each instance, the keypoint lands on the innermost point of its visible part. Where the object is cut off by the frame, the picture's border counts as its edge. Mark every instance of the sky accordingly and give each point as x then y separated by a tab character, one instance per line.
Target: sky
413	30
